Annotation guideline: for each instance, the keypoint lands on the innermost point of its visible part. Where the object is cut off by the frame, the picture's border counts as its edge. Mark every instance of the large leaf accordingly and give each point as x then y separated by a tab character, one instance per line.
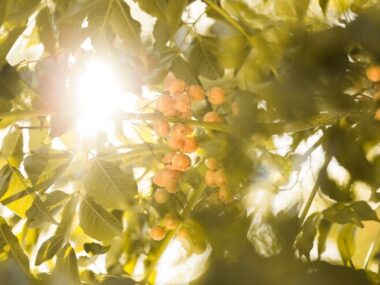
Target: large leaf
346	242
342	214
12	148
10	84
46	165
46	30
7	40
323	230
97	222
95	248
365	212
305	239
49	248
109	185
127	28
66	269
17	252
12	183
203	61
156	8
182	69
38	213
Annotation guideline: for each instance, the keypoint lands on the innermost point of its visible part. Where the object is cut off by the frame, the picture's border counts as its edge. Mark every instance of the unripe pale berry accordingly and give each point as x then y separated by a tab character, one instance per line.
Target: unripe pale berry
373	73
216	95
182	103
210	178
175	142
190	145
224	194
171	221
212	117
181	162
211	163
161	196
161	128
164	102
157	233
196	92
178	86
220	177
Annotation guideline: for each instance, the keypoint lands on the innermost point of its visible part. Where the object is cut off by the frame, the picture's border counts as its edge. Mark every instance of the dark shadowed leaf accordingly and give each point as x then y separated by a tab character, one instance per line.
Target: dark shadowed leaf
46	30
342	214
323	4
301	7
323	230
305	239
346	242
365	212
10	84
95	248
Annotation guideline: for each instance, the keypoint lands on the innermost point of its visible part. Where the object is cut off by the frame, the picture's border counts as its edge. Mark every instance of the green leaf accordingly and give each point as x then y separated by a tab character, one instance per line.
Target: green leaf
67	217
18	11
12	148
127	28
13	183
156	8
323	4
97	222
203	61
7	39
95	248
301	7
15	248
330	188
110	186
38	214
10	83
46	30
46	165
342	214
365	212
323	230
49	248
3	9
161	34
346	242
305	239
181	69
174	13
66	269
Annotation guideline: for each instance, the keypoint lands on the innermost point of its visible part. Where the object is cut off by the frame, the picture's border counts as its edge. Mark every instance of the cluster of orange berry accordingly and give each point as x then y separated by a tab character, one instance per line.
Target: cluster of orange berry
216	177
176	102
373	74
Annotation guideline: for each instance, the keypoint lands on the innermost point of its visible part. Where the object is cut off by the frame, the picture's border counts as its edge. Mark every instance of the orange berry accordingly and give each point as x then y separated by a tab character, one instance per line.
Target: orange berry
171	221
179	130
186	115
220	177
196	92
157	233
377	96
178	86
170	175
377	115
181	162
164	102
171	112
182	103
161	128
167	159
159	178
175	142
185	235
373	73
161	196
210	178
190	145
211	163
216	95
224	194
172	187
212	117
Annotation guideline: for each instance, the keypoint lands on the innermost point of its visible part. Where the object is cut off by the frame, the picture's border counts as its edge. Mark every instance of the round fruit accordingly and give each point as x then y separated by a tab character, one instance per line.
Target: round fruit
377	115
157	233
179	130
211	163
171	112
196	92
171	221
212	117
220	177
181	162
164	102
224	194
178	86
175	142
210	178
161	128
216	95
190	145
373	73
377	96
167	159
182	103
172	187
169	176
161	196
159	178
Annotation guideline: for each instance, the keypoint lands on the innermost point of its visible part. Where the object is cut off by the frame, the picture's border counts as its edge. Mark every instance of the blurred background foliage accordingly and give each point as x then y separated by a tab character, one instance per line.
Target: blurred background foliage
302	156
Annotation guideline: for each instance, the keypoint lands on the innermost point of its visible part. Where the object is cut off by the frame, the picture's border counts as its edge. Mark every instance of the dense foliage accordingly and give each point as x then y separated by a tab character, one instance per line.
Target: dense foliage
251	158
